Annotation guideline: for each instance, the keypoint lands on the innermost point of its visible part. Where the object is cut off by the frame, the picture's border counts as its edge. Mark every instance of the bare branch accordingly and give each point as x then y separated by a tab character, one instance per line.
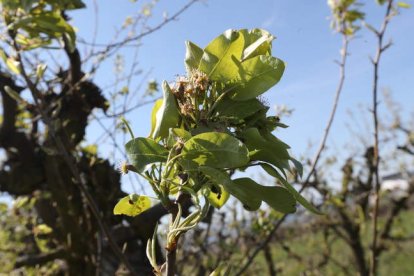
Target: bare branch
117	45
376	157
33	260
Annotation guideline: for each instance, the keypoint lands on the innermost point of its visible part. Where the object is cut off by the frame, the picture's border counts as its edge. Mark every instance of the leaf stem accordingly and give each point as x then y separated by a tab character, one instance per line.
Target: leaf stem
128	127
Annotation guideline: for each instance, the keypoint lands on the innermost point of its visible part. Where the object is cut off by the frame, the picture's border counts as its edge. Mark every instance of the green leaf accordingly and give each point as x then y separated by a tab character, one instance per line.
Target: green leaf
13	65
269	150
3	55
403	5
145	151
219	198
42	229
298	166
214	149
256	76
273	172
3	208
50	23
14	95
68	4
276	197
177	134
126	124
252	194
167	114
210	126
193	56
222	270
257	42
236	111
217	60
132	205
91	149
251	203
27	43
155	108
40	70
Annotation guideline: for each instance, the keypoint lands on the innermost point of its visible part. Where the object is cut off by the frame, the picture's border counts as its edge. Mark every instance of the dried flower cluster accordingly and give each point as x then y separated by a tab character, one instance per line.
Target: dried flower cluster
191	93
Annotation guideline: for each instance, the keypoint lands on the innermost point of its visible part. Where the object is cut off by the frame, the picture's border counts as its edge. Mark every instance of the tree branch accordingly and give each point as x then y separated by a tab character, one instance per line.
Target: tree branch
376	158
33	260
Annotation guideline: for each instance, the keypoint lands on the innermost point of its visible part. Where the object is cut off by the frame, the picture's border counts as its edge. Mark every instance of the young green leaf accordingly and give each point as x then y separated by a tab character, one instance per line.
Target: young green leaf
14	95
155	108
252	194
273	172
177	134
218	198
236	111
214	149
145	151
69	4
257	42
276	197
403	5
193	56
40	70
223	269
3	55
256	76
13	65
217	60
27	43
126	124
132	205
167	114
298	166
250	202
51	23
42	229
260	148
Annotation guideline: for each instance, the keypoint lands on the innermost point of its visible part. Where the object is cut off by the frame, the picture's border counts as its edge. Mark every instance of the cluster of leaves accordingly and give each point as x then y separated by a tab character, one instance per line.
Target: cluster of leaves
211	123
345	14
36	23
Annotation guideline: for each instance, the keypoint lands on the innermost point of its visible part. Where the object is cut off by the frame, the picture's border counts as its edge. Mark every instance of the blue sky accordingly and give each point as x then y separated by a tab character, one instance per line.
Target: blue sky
304	41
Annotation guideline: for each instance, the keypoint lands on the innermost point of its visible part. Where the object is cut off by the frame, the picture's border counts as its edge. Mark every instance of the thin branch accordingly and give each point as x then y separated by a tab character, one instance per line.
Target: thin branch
376	158
117	45
33	260
143	34
344	53
127	110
